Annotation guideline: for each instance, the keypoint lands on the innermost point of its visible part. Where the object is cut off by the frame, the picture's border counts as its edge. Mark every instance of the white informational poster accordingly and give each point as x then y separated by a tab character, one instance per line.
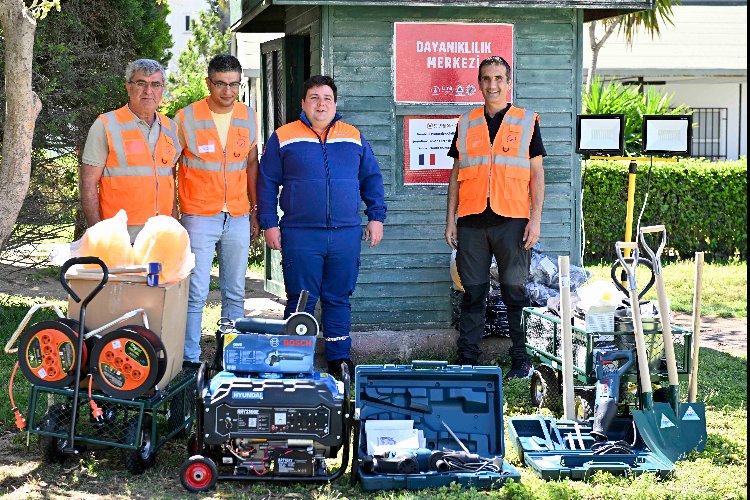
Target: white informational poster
429	142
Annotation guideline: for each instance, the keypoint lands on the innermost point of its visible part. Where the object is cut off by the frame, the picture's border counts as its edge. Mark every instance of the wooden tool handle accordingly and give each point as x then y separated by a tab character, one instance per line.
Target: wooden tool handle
697	291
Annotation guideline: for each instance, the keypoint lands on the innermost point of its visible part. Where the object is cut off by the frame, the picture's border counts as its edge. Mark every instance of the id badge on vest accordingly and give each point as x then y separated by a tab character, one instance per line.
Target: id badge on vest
207	148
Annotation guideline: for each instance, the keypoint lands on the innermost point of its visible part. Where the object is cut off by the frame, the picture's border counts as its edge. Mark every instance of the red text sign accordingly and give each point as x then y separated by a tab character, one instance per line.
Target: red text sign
439	62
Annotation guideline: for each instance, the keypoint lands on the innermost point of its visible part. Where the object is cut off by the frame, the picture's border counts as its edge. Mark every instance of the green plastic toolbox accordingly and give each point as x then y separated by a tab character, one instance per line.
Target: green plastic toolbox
457	410
558	449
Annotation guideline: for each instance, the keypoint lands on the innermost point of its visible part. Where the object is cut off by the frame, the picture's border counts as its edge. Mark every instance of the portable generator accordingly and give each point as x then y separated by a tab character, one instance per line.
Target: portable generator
273	425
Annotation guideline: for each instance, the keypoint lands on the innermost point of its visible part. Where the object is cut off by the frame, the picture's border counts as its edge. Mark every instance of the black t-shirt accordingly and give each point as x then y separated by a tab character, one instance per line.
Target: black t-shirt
536	148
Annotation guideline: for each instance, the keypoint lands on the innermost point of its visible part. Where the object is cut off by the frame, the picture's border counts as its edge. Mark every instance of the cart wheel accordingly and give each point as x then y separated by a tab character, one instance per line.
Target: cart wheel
57	419
545	388
584	404
138	460
198	474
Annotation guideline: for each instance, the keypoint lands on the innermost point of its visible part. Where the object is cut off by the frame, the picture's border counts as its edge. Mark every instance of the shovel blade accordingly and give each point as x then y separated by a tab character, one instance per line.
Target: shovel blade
659	429
693	426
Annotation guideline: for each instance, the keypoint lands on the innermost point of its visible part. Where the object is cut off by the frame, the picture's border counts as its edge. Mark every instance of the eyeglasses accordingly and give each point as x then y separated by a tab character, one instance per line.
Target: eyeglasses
142	84
235	86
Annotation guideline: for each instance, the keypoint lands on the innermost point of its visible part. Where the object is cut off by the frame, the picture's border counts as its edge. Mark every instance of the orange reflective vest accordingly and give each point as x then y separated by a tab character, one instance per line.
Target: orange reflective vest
207	176
133	179
499	171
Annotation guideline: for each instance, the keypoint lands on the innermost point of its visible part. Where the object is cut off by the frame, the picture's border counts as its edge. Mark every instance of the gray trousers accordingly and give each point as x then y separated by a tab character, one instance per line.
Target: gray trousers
476	246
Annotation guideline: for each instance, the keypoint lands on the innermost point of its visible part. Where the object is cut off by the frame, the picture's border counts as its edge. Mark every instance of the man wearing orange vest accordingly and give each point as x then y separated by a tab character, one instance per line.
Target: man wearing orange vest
216	180
496	188
130	153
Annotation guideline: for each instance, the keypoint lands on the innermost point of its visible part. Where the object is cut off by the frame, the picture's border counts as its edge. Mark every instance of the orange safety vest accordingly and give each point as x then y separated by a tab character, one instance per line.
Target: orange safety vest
207	176
499	171
133	179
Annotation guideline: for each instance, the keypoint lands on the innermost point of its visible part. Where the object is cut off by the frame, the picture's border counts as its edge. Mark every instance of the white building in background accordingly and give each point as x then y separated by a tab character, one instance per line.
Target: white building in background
182	14
702	60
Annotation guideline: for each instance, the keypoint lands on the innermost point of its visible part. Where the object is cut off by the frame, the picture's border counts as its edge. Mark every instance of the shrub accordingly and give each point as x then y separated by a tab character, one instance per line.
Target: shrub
703	205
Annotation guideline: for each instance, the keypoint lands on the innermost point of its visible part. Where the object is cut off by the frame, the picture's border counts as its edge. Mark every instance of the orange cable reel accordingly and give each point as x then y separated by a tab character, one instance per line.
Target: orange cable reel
47	352
128	362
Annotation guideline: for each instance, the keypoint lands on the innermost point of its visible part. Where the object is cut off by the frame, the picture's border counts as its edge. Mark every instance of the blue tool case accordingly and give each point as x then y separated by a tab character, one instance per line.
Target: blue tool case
558	449
457	409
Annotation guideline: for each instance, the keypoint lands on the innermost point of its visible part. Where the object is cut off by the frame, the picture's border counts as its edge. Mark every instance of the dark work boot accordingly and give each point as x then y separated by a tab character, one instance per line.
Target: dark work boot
519	368
334	368
462	360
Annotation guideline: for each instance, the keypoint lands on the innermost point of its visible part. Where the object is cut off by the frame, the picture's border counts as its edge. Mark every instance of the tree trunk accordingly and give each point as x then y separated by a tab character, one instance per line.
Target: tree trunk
596	46
21	109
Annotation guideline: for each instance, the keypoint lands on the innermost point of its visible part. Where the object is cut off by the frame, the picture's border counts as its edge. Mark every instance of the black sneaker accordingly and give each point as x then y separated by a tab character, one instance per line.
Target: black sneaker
334	368
466	361
519	368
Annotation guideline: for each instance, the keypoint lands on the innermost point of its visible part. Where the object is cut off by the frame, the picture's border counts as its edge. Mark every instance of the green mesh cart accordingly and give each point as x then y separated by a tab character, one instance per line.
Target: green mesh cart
543	344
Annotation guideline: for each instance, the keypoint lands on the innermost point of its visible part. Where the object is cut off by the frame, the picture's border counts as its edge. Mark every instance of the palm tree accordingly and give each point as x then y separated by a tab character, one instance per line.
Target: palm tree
628	25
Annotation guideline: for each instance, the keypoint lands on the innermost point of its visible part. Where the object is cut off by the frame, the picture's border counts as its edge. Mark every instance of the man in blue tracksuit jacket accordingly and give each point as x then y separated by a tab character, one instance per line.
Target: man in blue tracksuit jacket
325	167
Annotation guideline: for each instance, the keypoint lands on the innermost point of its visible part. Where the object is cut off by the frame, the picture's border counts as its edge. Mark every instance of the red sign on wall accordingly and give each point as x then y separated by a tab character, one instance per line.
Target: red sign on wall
439	62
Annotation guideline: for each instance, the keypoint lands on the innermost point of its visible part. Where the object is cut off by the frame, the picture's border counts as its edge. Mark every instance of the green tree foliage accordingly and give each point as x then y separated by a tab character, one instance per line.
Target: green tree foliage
188	84
80	56
615	98
628	25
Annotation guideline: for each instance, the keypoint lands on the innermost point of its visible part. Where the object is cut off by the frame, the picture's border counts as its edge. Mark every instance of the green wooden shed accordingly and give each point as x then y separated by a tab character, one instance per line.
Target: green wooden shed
405	282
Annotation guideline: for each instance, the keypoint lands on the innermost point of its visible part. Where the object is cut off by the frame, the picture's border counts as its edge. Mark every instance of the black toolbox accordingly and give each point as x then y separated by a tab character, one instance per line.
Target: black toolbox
559	449
459	410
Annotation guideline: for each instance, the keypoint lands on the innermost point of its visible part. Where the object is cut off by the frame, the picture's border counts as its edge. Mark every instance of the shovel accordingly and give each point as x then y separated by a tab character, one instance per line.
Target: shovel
692	416
657	424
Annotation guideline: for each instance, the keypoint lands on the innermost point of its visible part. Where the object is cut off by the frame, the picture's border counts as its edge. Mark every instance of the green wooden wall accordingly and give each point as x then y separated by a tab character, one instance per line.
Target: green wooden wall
405	281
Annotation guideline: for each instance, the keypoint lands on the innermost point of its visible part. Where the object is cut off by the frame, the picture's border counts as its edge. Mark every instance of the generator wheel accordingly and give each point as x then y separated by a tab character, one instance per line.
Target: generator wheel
544	388
142	458
198	473
584	404
56	419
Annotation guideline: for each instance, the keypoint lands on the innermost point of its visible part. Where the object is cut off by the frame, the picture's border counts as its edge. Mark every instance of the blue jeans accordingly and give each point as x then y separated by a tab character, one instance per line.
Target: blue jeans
230	237
325	262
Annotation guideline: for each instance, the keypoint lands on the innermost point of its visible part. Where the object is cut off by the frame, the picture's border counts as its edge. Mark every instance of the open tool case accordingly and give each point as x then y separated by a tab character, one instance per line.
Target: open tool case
441	400
558	449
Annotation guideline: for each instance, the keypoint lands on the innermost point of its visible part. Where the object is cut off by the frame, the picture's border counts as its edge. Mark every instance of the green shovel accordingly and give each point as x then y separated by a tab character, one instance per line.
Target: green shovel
692	416
656	425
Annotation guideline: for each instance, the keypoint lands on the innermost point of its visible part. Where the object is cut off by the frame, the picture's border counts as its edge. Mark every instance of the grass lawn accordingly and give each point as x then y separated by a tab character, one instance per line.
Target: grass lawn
719	472
724	286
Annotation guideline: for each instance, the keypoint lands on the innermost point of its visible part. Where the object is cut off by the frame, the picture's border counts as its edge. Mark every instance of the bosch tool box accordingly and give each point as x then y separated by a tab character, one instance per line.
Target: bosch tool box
259	353
427	425
559	449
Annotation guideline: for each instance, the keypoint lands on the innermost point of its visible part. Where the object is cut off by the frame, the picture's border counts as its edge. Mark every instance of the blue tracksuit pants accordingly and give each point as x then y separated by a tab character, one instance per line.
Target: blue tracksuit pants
325	262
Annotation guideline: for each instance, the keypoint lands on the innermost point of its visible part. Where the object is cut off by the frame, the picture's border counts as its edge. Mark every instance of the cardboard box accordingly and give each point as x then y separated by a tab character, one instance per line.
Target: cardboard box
263	353
165	306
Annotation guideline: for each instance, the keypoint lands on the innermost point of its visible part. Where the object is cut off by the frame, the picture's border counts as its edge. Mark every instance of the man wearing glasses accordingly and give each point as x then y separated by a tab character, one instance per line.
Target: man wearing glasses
130	153
217	173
